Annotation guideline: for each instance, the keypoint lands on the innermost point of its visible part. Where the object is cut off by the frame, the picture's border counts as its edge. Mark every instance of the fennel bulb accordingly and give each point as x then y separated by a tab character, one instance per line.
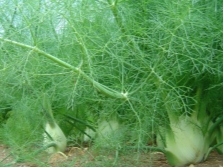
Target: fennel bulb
90	133
185	143
54	134
105	129
108	134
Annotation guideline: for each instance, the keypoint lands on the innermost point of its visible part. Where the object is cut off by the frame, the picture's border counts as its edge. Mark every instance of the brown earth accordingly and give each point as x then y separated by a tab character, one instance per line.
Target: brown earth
77	157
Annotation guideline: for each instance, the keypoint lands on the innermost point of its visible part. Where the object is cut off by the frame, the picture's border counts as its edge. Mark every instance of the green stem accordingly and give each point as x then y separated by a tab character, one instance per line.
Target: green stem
211	149
198	101
113	7
48	110
35	49
80	121
101	88
213	127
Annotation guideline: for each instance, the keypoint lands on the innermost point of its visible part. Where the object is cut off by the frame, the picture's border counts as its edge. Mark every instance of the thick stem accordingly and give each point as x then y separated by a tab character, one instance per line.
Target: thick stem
101	88
215	125
113	7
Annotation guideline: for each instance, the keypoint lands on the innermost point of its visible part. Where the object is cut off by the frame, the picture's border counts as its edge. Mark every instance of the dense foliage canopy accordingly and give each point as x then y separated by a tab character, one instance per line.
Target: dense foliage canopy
147	65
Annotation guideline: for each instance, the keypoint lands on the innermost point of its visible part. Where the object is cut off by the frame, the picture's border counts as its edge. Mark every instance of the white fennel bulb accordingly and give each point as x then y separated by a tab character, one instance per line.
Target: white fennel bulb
106	128
54	134
185	143
91	134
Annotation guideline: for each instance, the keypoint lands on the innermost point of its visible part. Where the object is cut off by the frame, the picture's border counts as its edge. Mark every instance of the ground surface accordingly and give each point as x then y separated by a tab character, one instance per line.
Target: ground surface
77	157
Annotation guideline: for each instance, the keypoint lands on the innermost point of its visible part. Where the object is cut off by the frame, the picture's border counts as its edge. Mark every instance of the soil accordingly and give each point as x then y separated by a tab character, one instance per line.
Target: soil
78	157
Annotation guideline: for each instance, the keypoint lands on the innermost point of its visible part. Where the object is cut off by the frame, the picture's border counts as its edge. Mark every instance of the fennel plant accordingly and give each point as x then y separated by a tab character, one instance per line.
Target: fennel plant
153	65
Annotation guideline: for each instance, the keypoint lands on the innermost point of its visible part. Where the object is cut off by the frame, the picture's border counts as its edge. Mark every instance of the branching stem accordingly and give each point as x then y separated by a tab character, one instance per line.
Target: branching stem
101	88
